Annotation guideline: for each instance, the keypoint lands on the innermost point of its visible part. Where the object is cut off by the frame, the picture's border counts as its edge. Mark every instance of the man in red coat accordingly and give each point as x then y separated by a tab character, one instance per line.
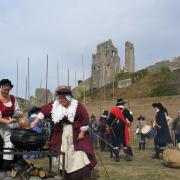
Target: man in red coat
119	120
71	135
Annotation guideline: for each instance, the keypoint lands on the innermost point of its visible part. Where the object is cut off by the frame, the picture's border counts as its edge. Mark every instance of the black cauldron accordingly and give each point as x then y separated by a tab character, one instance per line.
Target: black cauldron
27	139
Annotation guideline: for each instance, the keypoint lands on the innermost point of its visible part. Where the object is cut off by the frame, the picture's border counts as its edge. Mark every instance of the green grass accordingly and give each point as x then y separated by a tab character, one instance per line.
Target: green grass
142	167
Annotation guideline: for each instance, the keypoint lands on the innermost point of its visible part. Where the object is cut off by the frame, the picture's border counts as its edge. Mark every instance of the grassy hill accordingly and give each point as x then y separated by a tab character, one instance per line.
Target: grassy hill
164	83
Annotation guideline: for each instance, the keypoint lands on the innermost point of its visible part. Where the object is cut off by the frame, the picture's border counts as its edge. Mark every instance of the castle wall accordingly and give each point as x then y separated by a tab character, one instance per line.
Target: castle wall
129	57
105	64
40	96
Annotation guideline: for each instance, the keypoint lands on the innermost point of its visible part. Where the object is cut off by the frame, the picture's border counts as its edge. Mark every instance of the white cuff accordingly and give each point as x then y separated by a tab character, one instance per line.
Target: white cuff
84	128
128	121
40	115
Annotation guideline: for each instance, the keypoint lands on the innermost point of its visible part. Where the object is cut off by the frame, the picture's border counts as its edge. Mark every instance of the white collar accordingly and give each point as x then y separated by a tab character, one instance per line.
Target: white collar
59	111
157	110
103	116
121	106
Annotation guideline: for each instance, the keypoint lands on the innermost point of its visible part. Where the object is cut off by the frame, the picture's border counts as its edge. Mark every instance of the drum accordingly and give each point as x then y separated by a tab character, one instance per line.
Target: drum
148	131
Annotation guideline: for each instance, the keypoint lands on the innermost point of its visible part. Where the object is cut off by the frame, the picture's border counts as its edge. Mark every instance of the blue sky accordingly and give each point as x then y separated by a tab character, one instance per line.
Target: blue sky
68	29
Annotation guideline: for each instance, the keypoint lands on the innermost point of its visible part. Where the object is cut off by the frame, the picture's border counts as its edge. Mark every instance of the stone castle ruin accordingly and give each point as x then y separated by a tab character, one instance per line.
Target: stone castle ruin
129	58
106	63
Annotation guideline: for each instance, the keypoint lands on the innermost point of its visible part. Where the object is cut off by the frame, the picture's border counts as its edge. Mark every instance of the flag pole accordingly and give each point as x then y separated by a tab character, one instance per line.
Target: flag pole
113	81
47	79
75	79
104	77
58	73
84	94
68	77
17	77
28	82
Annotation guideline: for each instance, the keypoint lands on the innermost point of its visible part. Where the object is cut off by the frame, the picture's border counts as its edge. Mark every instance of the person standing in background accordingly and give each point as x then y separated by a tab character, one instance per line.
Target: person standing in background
176	129
141	138
162	137
93	129
119	120
102	130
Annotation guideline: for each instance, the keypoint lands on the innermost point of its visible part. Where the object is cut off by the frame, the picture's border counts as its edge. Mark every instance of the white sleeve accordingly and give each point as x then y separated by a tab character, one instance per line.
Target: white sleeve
40	115
0	114
84	128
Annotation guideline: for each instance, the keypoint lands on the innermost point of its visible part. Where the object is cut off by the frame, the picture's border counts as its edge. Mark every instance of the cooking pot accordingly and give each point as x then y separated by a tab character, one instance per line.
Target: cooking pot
27	139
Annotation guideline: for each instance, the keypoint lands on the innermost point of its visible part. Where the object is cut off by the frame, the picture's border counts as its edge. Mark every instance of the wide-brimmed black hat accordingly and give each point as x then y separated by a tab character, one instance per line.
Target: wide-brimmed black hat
105	113
158	105
64	91
6	82
120	101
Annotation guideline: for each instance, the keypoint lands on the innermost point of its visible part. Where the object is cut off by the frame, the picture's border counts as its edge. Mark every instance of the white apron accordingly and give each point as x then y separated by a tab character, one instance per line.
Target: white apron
74	160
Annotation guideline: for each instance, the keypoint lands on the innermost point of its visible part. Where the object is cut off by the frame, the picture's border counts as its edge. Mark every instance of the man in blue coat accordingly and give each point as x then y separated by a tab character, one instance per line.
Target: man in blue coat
162	137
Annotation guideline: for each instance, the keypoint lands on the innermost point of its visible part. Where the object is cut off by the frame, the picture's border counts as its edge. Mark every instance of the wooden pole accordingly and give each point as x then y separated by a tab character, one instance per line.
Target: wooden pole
25	103
26	89
104	72
68	77
47	80
113	80
57	73
84	94
40	84
104	79
17	77
75	80
28	82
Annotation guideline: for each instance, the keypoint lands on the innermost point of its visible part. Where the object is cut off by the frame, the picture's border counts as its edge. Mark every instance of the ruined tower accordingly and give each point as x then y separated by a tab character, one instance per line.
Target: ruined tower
129	57
105	64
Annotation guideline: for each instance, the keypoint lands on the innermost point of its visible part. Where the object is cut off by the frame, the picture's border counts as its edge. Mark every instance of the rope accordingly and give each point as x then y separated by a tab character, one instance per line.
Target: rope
110	145
103	165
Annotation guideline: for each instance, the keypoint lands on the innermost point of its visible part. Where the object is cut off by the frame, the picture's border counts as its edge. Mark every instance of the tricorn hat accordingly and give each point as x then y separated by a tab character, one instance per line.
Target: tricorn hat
120	101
